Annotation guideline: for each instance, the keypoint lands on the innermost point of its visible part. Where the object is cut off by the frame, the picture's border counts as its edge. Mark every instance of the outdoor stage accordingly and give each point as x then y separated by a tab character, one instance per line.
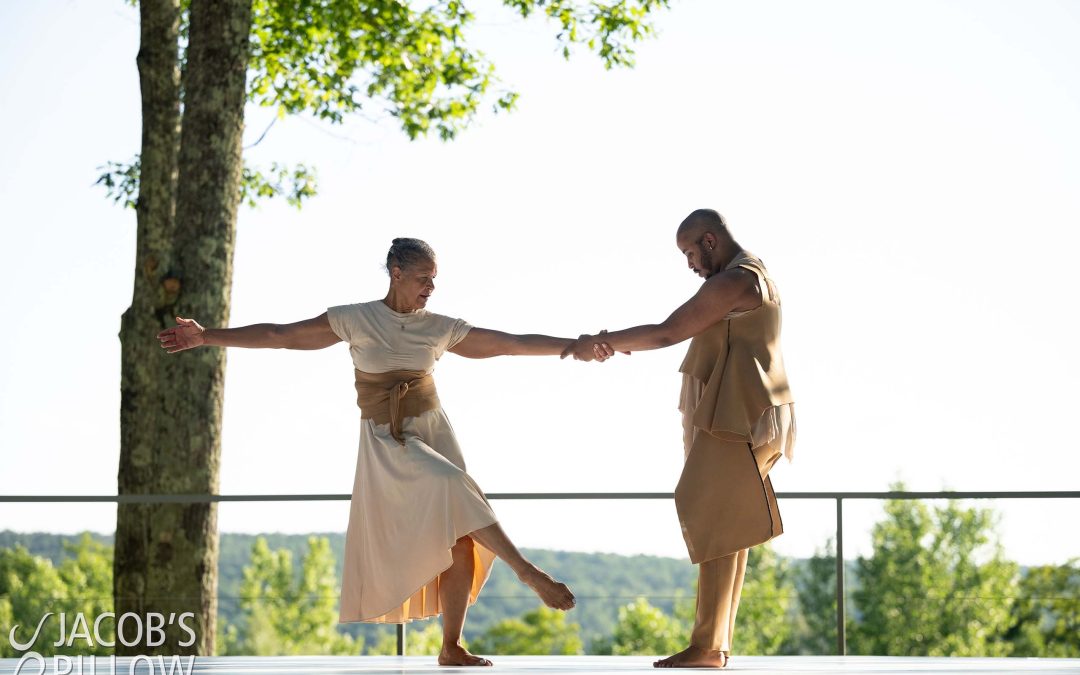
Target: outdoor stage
403	665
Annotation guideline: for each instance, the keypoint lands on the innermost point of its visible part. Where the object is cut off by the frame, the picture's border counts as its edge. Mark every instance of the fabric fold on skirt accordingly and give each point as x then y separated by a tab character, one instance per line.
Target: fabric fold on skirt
410	505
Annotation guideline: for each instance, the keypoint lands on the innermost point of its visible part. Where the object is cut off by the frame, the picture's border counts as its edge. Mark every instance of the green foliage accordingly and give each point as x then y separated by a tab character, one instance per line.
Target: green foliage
296	184
815	628
603	583
607	28
936	584
333	58
541	631
87	571
286	614
386	646
1046	616
7	620
32	586
762	625
121	182
644	630
422	638
1043	621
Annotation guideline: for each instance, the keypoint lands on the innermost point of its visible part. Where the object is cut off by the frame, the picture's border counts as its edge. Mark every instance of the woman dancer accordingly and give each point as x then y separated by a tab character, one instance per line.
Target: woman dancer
421	537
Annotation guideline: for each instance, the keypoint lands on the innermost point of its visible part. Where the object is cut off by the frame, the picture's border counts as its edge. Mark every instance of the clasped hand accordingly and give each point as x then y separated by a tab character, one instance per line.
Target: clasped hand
590	348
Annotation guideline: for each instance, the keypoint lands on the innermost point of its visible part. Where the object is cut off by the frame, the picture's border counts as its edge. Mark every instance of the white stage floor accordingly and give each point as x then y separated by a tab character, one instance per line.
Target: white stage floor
762	665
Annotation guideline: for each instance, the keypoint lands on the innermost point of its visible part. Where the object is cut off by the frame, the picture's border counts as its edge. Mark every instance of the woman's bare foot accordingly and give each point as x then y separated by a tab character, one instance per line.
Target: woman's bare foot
554	594
694	657
456	655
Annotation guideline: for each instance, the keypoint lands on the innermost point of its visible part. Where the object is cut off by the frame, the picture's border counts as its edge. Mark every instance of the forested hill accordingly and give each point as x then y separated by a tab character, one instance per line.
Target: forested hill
602	582
906	598
937	582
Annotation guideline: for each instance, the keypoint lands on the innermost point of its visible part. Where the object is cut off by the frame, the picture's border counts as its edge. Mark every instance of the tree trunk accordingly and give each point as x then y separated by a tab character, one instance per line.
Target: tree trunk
167	554
145	422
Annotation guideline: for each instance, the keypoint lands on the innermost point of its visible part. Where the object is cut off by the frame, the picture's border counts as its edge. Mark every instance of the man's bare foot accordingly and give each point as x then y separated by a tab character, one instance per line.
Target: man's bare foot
554	594
694	657
456	655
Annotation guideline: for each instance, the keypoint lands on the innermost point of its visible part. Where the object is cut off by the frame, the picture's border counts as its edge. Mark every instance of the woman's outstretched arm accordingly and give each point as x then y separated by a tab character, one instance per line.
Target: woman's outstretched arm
308	334
482	343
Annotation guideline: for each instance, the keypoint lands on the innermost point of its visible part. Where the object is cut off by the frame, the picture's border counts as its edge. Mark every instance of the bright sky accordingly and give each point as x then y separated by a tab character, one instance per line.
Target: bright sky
908	170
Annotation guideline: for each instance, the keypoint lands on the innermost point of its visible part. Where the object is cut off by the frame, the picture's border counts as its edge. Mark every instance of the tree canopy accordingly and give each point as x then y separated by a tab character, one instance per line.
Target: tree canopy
336	59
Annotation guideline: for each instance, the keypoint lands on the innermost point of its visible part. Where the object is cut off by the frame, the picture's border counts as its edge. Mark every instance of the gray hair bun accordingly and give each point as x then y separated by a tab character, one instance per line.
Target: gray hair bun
406	252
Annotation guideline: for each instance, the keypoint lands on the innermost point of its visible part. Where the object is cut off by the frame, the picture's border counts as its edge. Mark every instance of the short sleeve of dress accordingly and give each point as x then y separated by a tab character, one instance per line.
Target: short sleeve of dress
342	321
454	331
458	330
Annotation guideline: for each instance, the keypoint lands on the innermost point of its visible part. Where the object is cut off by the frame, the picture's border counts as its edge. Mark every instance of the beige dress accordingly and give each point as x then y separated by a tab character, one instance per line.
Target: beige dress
738	419
410	503
775	427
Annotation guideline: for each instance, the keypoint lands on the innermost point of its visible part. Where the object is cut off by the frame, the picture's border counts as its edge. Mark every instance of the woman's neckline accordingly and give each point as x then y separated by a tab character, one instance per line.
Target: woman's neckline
416	312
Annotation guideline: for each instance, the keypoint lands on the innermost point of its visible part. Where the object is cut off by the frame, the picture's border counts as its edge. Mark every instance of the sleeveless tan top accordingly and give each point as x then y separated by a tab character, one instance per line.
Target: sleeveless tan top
734	383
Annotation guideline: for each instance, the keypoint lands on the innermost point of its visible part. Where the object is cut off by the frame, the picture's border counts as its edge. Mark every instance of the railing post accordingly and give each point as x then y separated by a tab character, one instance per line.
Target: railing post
401	639
841	627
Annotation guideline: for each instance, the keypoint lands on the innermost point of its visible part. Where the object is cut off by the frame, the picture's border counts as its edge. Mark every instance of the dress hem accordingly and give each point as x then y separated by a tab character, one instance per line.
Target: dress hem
378	618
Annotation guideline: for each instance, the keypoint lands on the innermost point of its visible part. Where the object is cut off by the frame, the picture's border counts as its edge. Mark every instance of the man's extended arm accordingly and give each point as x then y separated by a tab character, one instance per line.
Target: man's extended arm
730	291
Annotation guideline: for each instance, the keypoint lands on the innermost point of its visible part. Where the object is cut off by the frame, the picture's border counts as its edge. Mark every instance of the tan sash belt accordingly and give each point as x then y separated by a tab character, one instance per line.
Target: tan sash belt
393	396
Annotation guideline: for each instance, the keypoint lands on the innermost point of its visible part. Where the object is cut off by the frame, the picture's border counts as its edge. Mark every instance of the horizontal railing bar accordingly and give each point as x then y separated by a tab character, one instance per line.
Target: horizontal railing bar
202	498
944	494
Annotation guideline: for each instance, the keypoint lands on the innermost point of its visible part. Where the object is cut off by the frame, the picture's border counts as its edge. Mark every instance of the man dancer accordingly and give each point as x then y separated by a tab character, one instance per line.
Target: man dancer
738	419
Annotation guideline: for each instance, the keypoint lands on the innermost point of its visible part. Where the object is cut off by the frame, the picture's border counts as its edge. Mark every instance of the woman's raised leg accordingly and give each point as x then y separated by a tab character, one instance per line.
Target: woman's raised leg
554	594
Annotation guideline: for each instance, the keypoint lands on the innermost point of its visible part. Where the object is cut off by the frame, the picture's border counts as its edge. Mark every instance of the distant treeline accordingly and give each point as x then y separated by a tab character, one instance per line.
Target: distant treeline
936	583
602	582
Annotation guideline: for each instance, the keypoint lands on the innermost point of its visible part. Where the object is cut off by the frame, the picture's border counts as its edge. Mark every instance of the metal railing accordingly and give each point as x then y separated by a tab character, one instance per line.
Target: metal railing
838	497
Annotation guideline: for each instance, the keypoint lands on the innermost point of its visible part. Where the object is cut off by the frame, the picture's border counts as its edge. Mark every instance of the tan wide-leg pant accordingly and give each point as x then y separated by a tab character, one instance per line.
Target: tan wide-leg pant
720	583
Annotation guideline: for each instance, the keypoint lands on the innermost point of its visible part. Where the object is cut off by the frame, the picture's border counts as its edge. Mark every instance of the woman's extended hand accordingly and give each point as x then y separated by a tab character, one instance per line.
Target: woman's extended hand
187	334
581	349
590	348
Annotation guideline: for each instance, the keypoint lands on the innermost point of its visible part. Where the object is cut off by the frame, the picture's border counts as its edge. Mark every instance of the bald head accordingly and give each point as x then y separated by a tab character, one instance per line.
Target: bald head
704	239
701	221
